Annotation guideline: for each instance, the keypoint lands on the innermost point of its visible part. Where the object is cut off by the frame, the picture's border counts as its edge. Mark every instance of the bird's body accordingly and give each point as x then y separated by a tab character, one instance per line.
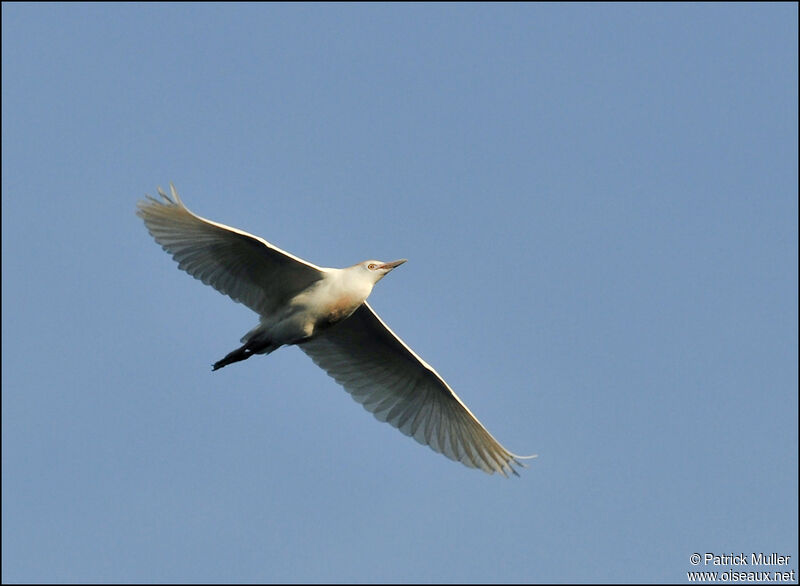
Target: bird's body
325	302
324	311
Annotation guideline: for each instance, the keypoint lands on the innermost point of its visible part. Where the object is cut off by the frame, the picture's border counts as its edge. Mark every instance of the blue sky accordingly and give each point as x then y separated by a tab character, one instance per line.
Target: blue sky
599	208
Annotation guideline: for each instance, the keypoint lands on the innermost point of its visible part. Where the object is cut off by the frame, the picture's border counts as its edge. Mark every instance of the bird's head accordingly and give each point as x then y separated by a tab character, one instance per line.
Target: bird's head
378	269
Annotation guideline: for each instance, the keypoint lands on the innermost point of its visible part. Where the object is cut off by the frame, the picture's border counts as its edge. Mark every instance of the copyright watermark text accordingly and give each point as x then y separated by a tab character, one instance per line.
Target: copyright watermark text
741	567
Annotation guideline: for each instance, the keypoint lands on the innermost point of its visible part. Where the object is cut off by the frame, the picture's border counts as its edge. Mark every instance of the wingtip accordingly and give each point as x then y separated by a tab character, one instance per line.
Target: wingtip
518	461
174	193
170	200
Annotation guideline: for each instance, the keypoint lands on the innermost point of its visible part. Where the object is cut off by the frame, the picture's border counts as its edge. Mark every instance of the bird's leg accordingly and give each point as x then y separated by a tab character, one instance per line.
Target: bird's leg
242	353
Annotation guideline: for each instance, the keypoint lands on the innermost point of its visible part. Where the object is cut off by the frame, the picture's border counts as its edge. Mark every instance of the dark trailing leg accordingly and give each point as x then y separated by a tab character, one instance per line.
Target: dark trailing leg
237	355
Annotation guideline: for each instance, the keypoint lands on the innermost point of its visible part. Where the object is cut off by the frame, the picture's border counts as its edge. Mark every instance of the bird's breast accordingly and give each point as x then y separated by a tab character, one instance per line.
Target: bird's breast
329	303
340	307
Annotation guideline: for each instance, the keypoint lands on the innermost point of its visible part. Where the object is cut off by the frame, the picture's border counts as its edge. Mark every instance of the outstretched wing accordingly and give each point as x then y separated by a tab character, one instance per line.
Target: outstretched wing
398	387
248	269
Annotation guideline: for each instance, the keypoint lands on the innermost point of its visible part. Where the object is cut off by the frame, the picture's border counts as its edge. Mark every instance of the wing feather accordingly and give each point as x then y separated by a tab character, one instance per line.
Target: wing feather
248	269
383	374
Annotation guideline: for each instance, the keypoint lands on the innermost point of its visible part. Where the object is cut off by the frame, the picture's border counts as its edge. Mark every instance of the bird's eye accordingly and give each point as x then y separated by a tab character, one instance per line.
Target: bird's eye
372	266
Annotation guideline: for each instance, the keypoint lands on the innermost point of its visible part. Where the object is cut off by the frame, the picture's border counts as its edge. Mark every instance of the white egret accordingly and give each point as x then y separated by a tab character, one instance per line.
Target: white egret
324	312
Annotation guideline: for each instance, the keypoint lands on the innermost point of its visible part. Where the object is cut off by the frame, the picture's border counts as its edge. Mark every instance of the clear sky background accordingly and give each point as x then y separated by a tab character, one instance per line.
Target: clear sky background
599	208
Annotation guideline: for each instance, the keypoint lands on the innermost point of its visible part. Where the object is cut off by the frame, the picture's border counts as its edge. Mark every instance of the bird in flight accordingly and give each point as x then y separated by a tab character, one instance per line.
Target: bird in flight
324	312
